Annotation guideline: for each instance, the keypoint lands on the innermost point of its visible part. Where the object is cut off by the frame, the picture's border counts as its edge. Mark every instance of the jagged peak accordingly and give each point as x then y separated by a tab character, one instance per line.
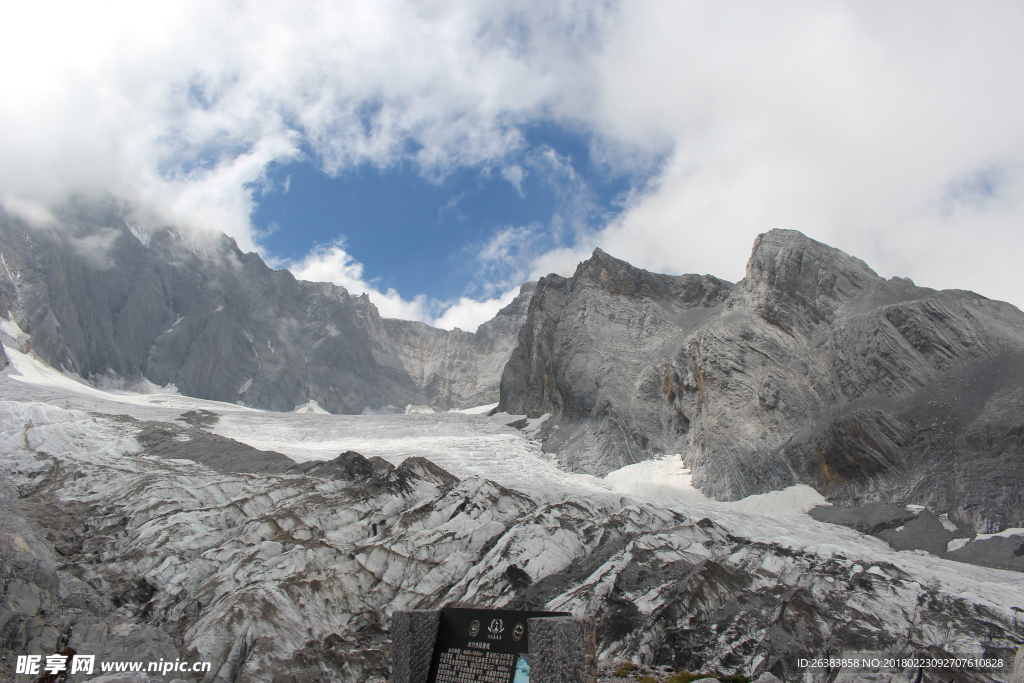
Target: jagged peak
623	278
603	267
779	241
789	271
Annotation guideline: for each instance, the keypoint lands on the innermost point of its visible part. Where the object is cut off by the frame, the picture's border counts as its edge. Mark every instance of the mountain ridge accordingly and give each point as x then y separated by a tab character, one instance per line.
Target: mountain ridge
97	296
811	370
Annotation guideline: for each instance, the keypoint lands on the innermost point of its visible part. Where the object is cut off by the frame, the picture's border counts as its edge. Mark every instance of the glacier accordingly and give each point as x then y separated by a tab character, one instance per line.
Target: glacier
267	575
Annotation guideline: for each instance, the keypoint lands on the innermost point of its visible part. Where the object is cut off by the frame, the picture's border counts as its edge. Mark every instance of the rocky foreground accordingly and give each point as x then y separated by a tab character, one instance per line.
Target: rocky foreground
112	544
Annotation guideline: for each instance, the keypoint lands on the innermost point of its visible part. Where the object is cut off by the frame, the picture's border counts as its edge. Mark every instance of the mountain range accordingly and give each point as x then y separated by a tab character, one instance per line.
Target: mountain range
811	370
101	298
206	519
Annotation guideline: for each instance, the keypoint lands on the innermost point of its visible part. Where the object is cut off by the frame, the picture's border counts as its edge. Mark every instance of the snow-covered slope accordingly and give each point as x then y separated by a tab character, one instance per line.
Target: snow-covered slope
280	576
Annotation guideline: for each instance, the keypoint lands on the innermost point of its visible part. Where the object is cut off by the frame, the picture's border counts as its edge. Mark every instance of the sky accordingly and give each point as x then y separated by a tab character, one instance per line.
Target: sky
436	155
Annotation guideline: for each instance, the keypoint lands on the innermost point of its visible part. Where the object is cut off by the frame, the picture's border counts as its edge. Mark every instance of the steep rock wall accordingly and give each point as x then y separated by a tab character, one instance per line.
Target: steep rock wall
812	369
99	298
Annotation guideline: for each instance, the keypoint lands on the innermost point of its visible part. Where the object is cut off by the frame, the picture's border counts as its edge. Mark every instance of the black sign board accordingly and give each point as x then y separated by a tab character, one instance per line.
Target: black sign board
481	645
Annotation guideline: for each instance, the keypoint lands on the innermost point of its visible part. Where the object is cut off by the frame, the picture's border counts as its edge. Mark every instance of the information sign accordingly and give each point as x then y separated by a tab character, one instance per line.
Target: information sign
481	645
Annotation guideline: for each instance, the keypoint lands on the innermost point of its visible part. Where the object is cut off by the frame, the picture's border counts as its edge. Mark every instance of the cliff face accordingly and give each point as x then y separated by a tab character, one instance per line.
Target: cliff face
812	369
595	351
98	297
454	368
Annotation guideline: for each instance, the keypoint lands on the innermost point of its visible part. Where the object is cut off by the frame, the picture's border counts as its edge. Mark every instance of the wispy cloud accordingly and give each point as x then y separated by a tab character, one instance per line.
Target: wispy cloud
515	175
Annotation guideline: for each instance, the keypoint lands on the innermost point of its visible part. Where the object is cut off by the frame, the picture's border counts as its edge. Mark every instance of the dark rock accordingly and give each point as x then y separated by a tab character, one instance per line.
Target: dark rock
925	532
998	552
200	418
349	466
867	519
516	577
166	440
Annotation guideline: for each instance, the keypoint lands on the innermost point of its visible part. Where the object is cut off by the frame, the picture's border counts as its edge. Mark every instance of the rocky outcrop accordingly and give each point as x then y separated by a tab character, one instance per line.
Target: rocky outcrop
294	577
100	298
812	369
595	352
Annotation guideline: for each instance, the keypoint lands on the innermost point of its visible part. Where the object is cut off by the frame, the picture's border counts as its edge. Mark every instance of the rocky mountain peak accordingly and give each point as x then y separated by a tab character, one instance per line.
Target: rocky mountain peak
790	274
108	300
813	370
615	276
618	277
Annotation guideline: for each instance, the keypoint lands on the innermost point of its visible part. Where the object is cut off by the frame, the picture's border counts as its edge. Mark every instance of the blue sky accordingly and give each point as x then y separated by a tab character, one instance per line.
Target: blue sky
438	154
422	235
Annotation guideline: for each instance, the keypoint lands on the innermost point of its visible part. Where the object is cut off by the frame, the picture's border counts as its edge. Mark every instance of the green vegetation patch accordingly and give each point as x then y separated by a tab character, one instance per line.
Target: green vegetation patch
687	677
624	670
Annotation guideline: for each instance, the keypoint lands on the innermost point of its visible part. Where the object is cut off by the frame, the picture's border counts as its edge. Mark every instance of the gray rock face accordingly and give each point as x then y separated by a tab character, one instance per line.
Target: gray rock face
812	369
457	368
596	351
99	298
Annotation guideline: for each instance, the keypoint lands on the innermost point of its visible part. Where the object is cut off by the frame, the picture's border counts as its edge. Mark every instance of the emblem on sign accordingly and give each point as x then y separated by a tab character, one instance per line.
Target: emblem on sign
474	628
518	631
496	628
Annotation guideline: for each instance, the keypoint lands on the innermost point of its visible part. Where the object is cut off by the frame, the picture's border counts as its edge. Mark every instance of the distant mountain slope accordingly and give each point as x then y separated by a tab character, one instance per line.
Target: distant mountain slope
812	369
97	296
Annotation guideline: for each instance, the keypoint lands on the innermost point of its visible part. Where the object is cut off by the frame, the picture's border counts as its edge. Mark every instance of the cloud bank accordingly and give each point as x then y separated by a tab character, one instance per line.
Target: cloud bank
889	130
333	264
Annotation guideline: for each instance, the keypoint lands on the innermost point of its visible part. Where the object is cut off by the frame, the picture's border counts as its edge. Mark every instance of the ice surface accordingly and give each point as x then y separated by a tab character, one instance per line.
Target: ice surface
662	478
309	407
794	500
327	558
477	410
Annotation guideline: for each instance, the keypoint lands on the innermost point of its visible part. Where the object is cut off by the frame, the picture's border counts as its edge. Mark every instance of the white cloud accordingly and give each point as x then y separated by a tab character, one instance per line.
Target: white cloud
891	130
467	314
332	263
515	175
184	106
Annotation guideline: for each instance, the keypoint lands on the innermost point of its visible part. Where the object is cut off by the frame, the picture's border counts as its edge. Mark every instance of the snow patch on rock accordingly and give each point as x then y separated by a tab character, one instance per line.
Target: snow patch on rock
665	477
